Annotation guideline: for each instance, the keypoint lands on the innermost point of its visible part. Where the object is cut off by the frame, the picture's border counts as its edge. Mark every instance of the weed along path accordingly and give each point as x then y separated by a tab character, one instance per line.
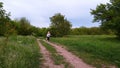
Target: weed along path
48	62
69	57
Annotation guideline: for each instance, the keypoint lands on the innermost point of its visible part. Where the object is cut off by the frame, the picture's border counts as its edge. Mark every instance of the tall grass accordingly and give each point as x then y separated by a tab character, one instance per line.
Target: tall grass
20	52
94	49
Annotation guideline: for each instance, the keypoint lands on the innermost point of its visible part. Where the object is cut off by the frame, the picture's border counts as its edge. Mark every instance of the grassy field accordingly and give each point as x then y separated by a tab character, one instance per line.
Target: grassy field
98	50
19	52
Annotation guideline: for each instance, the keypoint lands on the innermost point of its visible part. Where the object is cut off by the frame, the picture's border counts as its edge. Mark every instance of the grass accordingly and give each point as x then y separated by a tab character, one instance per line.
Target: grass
98	50
20	52
58	59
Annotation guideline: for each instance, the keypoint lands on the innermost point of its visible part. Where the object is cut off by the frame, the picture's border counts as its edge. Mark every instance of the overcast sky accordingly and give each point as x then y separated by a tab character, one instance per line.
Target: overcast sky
38	12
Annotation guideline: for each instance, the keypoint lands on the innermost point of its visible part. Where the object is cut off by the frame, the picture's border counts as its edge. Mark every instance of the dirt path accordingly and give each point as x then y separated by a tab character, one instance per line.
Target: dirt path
48	62
72	59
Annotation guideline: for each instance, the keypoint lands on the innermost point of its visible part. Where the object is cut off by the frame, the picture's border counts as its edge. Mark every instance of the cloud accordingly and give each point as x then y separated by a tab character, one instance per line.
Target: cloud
39	11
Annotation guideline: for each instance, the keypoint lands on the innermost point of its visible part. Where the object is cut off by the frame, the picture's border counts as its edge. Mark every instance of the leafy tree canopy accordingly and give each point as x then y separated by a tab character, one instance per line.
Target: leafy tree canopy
4	20
109	15
59	25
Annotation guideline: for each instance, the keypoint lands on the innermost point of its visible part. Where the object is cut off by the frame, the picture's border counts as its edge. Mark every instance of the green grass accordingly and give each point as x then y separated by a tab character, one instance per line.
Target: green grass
97	50
58	59
20	52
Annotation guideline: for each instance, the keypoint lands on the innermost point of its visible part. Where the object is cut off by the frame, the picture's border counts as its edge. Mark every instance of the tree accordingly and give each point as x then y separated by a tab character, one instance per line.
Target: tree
59	25
4	20
24	26
109	16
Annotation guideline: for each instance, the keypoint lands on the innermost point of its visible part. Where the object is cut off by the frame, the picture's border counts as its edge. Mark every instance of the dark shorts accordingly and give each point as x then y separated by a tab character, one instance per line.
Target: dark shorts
48	38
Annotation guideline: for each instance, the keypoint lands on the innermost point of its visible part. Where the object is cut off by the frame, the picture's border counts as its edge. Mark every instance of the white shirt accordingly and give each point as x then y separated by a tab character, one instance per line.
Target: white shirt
48	35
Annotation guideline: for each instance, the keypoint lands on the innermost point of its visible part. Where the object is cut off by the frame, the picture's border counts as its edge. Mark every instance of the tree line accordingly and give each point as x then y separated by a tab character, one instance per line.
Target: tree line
108	14
90	31
60	26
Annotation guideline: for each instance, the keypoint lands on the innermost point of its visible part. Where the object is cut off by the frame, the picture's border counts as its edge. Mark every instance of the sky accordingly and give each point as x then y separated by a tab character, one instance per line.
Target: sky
38	12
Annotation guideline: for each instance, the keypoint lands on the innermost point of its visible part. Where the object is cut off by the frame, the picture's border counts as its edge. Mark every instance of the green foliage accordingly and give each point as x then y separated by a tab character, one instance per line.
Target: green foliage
4	21
95	49
59	26
90	31
24	27
43	31
20	26
4	17
36	31
21	52
109	15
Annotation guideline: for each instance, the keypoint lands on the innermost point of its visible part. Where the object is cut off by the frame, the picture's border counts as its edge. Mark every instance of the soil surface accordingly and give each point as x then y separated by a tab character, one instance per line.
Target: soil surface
48	62
69	57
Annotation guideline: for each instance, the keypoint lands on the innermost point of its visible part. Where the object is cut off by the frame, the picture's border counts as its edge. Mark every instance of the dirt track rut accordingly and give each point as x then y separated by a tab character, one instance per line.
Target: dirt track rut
48	62
72	59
